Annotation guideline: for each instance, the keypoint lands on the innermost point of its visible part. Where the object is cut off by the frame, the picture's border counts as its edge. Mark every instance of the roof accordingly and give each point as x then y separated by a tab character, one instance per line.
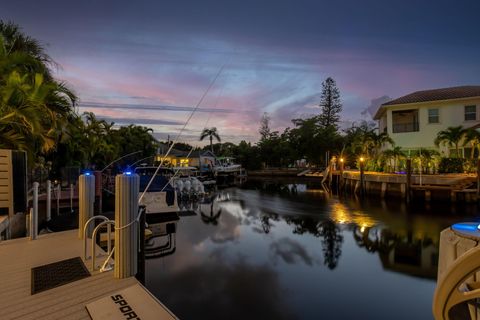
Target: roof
433	95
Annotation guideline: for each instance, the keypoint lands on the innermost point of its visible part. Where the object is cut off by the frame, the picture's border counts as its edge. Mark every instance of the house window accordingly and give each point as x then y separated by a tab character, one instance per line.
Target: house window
470	113
433	116
405	121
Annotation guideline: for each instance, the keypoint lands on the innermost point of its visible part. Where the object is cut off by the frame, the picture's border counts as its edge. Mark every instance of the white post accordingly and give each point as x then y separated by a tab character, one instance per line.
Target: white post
34	213
126	229
421	169
49	200
86	198
71	198
59	191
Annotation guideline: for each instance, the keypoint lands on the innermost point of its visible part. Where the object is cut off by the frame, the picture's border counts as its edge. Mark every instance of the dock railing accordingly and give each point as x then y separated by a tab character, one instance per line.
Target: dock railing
105	222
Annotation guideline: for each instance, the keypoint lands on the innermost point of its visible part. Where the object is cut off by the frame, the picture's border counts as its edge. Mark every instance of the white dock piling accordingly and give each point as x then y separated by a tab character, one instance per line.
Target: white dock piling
49	201
71	198
126	229
86	198
59	191
34	213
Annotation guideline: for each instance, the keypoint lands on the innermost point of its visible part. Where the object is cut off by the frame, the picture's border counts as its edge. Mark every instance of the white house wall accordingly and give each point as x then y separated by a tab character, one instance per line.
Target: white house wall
451	114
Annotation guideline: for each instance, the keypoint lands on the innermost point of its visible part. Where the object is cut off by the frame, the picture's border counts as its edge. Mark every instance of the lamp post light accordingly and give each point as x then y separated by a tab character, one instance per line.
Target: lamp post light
341	182
362	176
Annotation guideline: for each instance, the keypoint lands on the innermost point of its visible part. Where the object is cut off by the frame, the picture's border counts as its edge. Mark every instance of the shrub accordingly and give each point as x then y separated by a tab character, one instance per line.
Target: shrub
451	165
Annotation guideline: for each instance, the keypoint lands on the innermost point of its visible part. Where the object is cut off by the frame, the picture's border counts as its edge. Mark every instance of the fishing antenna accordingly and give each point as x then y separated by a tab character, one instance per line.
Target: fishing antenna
193	147
181	131
120	159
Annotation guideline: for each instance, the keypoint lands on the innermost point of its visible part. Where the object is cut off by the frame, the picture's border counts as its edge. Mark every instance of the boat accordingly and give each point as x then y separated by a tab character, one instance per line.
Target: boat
225	165
161	196
227	172
186	182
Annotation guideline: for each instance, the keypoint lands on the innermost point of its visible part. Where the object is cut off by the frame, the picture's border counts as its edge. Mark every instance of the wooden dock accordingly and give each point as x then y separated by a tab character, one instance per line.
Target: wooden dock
451	187
19	256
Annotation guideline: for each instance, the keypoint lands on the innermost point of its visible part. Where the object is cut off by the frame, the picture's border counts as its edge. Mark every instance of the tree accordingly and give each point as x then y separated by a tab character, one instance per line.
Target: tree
264	127
248	156
35	109
472	137
424	159
210	133
133	138
365	140
16	41
330	104
451	137
395	153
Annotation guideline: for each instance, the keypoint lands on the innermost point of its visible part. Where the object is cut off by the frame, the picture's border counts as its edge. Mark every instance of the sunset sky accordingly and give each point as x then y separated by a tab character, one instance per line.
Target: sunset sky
149	62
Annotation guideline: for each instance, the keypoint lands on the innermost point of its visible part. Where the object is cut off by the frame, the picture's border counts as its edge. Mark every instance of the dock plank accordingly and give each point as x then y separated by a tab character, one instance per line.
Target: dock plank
19	256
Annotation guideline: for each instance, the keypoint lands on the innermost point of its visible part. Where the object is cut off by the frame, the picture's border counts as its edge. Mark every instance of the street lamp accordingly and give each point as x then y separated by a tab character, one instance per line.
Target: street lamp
362	176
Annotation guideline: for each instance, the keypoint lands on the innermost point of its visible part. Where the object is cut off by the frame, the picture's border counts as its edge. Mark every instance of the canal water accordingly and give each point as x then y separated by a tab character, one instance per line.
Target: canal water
285	249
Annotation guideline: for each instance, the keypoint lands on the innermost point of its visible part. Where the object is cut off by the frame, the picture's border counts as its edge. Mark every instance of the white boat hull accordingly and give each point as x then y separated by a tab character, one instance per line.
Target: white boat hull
156	202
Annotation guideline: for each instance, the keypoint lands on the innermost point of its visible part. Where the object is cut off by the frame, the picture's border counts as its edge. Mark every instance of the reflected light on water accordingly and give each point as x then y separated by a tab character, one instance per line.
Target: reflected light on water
314	191
343	215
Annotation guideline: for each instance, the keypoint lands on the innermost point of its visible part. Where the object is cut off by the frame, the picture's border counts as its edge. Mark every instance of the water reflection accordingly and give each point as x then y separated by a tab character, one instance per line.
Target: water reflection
408	254
212	217
282	251
290	252
162	238
327	230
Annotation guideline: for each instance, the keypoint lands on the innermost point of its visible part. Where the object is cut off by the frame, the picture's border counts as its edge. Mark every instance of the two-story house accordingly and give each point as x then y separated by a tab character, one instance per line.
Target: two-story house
413	121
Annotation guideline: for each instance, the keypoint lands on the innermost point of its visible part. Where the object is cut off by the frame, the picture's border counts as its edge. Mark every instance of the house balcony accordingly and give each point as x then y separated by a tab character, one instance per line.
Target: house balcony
405	127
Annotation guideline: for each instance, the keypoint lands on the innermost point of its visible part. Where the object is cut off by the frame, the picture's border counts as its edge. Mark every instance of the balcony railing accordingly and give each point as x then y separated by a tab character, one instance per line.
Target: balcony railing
405	127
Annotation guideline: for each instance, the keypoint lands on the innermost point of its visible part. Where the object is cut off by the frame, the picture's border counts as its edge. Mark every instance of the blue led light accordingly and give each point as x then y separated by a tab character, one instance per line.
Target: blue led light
466	226
87	173
128	173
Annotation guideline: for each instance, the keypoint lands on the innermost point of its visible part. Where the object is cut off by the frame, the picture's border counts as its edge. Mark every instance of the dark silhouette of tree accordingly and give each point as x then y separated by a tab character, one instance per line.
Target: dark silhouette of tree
265	219
264	127
330	104
210	133
328	230
331	243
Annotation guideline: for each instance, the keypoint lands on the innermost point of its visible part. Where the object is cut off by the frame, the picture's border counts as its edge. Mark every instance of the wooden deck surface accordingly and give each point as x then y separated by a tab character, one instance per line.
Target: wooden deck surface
19	256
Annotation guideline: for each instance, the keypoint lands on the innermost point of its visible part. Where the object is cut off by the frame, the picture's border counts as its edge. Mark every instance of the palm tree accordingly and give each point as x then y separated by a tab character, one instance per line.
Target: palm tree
210	133
23	48
472	137
451	137
34	108
425	158
25	111
395	153
364	140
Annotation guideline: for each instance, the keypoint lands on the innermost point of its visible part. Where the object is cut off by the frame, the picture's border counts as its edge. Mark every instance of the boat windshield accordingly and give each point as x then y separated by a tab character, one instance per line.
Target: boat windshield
159	183
149	171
